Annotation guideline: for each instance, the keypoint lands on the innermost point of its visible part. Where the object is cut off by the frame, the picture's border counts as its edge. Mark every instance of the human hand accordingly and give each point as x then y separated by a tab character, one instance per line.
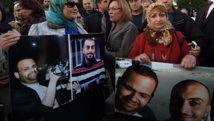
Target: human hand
143	58
188	62
76	85
53	77
194	51
8	39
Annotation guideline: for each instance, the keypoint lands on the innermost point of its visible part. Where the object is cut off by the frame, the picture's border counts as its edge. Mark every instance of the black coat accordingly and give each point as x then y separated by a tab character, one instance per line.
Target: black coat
26	104
93	23
207	29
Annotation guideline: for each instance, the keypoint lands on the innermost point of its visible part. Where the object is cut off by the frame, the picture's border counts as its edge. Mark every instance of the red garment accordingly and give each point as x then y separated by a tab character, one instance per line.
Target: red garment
159	53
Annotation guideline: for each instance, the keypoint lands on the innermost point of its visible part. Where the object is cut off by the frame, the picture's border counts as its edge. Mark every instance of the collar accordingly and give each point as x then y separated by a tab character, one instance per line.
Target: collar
134	114
84	64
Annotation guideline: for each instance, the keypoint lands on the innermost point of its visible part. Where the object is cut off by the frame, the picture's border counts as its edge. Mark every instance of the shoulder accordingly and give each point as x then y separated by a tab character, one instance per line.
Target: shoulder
173	32
129	25
179	15
81	29
100	61
42	24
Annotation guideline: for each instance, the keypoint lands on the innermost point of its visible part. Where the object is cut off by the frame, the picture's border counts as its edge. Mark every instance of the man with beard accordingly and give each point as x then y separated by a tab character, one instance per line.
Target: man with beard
31	100
134	91
91	72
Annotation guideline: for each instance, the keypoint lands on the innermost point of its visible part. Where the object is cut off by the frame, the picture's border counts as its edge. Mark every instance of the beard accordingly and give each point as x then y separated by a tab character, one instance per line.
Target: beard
89	56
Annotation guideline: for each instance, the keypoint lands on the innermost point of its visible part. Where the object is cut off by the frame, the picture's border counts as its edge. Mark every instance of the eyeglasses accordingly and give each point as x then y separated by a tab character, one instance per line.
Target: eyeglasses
113	9
79	17
71	4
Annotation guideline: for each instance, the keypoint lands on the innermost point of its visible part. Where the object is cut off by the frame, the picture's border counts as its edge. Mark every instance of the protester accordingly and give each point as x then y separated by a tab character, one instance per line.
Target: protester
4	74
186	25
205	22
17	23
60	20
88	9
80	19
138	14
160	42
99	21
122	34
32	13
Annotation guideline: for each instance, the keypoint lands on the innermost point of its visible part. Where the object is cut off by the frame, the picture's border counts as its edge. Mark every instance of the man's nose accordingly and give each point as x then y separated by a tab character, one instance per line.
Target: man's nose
135	96
185	107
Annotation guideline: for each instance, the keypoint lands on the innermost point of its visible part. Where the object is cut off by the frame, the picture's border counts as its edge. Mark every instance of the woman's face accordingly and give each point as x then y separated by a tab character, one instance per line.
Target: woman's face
80	19
157	19
115	12
26	13
70	13
18	13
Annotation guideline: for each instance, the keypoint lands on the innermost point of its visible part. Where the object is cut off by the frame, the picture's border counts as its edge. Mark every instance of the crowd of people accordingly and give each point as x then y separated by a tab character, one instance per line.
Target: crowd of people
143	30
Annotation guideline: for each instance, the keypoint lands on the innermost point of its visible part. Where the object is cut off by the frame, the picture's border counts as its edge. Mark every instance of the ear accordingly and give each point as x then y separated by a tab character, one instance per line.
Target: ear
207	110
16	74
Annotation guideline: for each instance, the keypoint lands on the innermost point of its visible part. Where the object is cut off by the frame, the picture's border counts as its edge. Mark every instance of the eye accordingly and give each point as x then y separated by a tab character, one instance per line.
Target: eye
194	103
128	87
87	47
153	16
144	95
162	15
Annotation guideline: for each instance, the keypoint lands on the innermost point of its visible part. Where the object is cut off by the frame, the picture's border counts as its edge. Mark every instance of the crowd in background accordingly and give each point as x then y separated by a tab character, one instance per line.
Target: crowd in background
132	29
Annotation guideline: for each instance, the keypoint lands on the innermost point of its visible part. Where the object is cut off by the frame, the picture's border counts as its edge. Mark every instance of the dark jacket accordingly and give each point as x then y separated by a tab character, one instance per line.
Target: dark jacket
187	27
84	14
93	23
26	104
207	28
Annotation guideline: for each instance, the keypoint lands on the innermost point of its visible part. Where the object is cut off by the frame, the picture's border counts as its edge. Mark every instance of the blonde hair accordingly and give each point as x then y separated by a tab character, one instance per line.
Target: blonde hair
126	11
153	6
14	8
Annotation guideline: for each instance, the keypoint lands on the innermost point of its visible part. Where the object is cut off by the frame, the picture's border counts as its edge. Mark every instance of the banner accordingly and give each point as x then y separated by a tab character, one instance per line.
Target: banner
180	94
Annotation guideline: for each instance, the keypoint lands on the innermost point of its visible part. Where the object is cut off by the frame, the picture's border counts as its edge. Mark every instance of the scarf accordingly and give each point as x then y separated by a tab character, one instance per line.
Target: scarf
4	26
55	17
153	35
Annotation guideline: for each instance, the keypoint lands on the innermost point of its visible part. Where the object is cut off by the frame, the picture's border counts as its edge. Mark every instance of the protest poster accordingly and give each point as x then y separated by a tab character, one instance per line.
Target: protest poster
41	72
161	106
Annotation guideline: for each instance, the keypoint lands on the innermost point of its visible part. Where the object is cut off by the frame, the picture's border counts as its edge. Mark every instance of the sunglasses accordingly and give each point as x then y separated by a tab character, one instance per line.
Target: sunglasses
72	4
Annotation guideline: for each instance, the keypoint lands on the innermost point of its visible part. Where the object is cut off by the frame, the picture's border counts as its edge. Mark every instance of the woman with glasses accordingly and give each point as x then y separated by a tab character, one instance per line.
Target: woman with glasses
122	33
60	19
80	19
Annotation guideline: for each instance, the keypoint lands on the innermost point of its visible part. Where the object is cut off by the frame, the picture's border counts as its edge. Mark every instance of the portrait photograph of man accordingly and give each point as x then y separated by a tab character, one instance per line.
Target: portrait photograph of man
88	70
174	94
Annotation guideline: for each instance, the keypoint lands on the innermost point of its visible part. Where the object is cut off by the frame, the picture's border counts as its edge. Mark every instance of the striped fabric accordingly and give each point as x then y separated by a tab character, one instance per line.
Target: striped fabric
89	77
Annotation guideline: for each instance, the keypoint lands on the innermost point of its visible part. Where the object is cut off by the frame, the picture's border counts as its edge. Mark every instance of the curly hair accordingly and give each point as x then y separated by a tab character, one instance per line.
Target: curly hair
33	5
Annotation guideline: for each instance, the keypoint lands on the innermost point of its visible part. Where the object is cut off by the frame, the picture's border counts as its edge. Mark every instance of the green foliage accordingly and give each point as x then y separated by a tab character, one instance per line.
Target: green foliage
8	5
194	4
